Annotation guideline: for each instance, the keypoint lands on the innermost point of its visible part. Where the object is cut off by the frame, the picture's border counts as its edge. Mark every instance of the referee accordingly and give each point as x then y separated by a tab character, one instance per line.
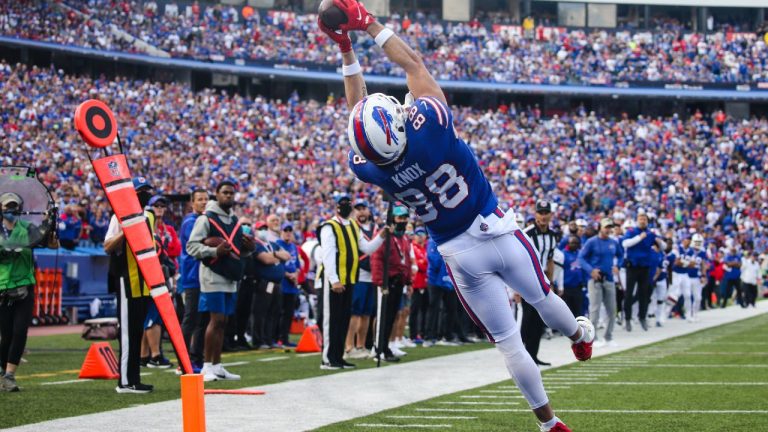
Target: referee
545	240
341	245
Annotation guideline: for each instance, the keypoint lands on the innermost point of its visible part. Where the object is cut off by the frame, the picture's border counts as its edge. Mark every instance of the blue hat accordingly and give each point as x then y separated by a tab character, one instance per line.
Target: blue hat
341	197
361	202
400	210
156	199
141	182
420	231
286	225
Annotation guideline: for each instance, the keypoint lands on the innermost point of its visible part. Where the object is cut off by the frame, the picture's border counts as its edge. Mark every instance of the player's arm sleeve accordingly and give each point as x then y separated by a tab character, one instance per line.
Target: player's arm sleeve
431	119
370	246
328	242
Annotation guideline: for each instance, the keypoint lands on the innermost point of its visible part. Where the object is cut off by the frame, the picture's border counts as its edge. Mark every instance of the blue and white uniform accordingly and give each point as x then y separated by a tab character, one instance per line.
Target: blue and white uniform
681	281
699	259
484	249
660	286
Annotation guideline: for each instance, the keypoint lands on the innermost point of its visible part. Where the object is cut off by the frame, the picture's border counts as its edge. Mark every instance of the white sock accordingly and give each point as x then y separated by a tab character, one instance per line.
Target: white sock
550	424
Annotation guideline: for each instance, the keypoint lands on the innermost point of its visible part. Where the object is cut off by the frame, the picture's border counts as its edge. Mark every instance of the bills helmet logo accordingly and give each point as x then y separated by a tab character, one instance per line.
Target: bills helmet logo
384	119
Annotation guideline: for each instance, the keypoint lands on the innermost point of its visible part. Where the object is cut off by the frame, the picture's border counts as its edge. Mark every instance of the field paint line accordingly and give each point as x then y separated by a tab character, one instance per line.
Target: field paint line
432	417
269	359
492	396
757	353
512	390
668	383
549	387
385	425
308	354
240	363
67	381
719	366
554	378
736	343
477	403
598	411
145	373
579	374
49	374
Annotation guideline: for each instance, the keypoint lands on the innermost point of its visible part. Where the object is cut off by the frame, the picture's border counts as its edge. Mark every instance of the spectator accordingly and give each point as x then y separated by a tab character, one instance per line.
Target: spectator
99	223
290	285
398	265
133	299
70	227
732	277
269	271
598	258
222	269
339	238
750	278
575	278
364	292
420	299
192	325
17	284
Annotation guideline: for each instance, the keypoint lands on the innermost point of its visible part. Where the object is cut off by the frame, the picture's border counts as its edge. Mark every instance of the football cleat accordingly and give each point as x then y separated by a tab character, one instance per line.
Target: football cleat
583	348
560	427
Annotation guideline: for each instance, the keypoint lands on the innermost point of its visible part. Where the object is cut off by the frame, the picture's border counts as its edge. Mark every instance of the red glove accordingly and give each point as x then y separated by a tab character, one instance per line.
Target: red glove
358	18
341	37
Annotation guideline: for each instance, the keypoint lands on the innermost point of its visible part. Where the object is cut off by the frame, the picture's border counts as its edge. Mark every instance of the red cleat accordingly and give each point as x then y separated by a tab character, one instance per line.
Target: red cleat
560	427
583	349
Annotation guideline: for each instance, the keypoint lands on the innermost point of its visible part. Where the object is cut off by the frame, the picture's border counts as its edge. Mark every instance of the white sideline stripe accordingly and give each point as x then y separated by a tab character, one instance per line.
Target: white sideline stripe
477	403
269	359
67	381
384	425
554	378
736	343
308	354
579	374
432	417
667	383
145	373
760	353
494	396
513	390
603	411
240	363
548	387
689	365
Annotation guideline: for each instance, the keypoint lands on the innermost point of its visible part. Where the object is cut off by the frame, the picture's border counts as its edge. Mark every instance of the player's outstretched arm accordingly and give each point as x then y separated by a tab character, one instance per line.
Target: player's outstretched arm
419	80
354	83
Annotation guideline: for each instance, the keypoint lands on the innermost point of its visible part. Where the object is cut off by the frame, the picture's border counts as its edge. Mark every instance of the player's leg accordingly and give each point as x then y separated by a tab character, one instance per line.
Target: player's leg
660	295
483	295
685	291
696	288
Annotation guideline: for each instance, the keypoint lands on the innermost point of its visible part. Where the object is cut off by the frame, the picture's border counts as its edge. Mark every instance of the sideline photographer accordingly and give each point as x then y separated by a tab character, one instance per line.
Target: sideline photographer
17	282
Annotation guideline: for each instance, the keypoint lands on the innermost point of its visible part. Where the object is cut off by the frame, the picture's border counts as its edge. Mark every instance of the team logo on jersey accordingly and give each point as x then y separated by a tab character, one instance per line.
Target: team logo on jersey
483	227
384	120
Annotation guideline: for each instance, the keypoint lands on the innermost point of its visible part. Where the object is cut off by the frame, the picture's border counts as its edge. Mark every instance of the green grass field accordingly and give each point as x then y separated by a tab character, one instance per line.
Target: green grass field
54	361
714	380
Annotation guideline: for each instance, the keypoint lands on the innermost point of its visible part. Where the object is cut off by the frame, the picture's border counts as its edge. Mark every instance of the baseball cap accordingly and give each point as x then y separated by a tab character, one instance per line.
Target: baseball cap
287	226
543	206
158	199
360	203
582	223
606	223
10	197
420	231
141	182
259	225
619	215
400	210
341	197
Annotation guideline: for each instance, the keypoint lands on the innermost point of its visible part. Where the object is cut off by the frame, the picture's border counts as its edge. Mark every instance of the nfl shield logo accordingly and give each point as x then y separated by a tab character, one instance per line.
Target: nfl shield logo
483	227
114	169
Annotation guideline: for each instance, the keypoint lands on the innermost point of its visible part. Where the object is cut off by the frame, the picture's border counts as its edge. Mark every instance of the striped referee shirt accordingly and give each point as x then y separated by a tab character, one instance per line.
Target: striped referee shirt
545	242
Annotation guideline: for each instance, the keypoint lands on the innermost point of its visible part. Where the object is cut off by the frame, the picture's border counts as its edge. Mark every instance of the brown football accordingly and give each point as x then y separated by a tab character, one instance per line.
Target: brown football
331	15
213	241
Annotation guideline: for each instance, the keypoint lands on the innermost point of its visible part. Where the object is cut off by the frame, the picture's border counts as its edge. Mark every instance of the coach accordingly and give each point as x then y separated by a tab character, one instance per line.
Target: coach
638	243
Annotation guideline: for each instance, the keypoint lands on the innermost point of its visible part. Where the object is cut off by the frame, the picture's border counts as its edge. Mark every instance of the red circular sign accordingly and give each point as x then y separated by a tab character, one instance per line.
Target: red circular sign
96	123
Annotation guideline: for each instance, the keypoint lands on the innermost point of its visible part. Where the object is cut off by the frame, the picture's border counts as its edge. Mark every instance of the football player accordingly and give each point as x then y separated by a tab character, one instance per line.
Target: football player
414	153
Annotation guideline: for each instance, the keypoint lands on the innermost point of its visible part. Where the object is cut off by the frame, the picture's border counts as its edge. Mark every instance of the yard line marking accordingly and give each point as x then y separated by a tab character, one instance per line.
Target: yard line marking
432	417
145	373
308	354
513	390
603	411
579	374
735	343
554	378
758	353
549	387
690	365
269	359
240	363
493	396
693	383
385	425
67	381
476	403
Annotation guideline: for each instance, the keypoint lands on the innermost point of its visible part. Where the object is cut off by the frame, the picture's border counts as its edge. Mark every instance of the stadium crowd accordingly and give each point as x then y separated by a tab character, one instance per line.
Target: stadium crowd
453	51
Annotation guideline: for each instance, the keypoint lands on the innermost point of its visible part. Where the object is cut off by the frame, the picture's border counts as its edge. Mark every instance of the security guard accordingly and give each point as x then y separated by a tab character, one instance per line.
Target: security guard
126	281
341	245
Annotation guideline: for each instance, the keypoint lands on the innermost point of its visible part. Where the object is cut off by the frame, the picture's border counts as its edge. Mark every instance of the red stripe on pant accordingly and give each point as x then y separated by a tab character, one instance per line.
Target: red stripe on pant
535	260
464	303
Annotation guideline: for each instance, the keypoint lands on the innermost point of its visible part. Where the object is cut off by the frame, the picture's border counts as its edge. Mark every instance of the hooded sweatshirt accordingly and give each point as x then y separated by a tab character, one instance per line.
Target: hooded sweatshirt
210	281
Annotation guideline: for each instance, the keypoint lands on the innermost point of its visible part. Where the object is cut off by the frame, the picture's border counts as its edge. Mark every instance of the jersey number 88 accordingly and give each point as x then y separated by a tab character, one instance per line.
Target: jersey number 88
451	189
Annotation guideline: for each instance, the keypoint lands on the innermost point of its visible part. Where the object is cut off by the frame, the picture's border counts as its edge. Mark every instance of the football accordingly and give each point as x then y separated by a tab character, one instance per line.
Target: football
331	15
213	241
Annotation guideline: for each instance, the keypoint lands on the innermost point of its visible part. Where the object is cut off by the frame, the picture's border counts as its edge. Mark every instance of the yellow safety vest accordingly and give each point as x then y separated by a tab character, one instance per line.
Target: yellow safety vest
139	287
347	250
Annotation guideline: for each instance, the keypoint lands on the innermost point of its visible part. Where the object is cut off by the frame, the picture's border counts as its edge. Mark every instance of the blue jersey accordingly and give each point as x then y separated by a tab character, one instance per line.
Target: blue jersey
438	175
699	257
686	255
